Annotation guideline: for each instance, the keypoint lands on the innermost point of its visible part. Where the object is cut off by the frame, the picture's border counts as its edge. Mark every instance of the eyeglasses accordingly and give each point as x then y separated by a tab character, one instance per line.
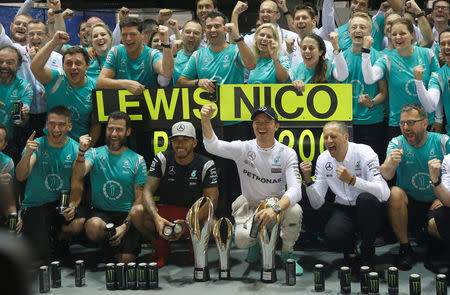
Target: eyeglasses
445	8
410	123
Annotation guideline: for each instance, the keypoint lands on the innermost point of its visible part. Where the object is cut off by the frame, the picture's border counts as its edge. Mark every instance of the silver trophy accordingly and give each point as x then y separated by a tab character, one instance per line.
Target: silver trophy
223	232
267	237
200	236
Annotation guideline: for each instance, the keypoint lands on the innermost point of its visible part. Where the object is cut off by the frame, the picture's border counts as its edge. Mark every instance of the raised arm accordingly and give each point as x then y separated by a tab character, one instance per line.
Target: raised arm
442	190
314	190
165	66
82	167
248	59
340	72
28	160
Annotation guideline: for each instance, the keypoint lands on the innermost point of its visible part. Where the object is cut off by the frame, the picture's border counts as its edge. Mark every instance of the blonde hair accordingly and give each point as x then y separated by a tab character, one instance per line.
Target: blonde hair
276	38
362	15
104	27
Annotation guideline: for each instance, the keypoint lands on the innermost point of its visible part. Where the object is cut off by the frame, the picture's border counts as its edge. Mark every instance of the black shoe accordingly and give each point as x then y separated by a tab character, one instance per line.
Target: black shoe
405	257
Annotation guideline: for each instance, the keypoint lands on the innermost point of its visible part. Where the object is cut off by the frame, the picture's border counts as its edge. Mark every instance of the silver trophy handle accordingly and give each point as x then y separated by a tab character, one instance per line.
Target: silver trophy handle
200	237
223	233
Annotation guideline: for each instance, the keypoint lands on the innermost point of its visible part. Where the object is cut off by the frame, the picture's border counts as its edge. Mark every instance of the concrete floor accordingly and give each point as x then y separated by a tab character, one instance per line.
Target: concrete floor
177	277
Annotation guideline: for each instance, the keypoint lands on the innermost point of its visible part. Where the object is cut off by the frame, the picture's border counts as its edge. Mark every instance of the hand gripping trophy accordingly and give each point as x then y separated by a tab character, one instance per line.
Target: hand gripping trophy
223	233
200	236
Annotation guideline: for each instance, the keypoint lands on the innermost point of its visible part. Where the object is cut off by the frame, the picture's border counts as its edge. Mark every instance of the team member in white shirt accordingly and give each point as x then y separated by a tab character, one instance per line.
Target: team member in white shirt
265	167
352	171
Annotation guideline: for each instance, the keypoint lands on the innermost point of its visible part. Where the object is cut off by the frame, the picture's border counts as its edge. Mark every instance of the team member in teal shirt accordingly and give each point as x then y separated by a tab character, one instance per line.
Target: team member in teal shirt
368	108
407	156
133	65
46	164
219	61
71	87
101	37
438	87
271	67
398	68
117	180
315	68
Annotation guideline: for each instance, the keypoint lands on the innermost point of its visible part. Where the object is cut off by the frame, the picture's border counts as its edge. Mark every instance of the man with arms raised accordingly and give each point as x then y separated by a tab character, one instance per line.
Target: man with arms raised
265	168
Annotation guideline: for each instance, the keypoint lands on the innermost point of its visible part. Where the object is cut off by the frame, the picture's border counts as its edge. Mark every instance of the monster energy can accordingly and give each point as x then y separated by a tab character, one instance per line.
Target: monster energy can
64	200
255	229
121	280
16	115
153	275
374	283
80	273
167	230
142	276
290	272
414	284
55	270
392	280
110	273
110	231
131	276
12	222
319	280
177	228
345	279
441	284
364	279
44	279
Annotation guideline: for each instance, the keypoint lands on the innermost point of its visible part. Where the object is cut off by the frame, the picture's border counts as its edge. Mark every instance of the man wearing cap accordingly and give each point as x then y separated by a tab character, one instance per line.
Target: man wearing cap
265	168
178	177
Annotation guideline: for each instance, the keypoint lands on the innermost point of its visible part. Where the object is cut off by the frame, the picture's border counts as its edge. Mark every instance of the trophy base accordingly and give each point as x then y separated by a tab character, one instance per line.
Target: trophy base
224	274
268	275
201	274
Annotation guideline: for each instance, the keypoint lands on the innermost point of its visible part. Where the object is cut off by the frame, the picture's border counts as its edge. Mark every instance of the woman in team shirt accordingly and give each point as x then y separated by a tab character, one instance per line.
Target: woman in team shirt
439	87
271	67
398	69
101	37
315	68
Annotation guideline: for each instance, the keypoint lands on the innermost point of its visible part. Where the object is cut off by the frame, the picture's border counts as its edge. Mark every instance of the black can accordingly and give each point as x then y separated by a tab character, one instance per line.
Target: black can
364	279
16	115
131	276
121	279
255	228
177	228
441	284
414	284
110	276
44	279
64	200
167	230
153	280
345	278
110	231
142	276
55	270
12	222
374	283
392	280
290	272
80	273
319	280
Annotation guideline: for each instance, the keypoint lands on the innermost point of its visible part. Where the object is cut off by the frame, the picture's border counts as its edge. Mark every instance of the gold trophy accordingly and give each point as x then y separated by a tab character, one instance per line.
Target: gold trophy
223	233
200	236
267	237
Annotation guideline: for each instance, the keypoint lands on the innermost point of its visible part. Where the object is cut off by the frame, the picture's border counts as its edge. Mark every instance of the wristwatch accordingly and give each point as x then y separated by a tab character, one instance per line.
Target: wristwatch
127	222
276	208
438	182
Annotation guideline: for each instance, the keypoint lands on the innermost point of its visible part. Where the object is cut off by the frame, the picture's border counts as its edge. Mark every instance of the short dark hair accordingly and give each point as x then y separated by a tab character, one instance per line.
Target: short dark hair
131	22
119	115
309	8
2	126
342	126
434	3
406	22
37	21
195	22
61	111
75	50
148	24
369	3
415	106
79	25
214	2
13	49
216	13
444	31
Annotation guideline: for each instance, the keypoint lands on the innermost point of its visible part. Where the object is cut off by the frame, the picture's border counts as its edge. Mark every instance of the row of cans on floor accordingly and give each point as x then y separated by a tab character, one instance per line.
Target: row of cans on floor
54	273
131	276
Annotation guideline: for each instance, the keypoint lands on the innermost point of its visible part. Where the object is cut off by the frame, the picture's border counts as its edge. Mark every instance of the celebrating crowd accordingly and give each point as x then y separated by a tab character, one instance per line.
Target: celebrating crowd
397	61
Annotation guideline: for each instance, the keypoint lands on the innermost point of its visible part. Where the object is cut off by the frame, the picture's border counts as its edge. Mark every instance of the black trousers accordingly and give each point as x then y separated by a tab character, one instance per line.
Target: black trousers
346	221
